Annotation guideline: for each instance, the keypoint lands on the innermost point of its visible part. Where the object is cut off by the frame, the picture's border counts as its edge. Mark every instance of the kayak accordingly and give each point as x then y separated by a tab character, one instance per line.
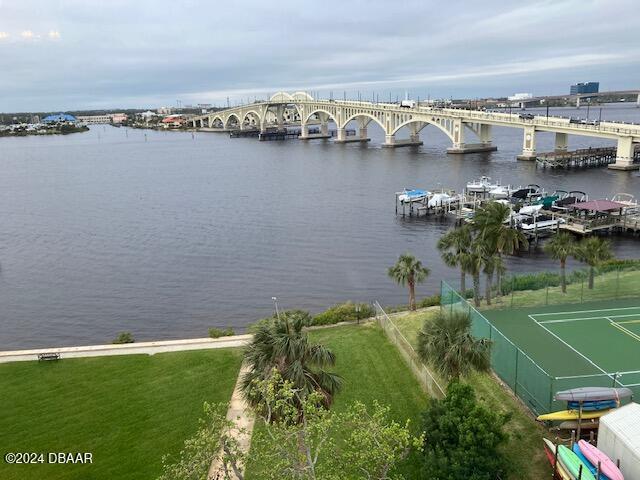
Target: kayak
573	465
585	394
585	460
595	456
584	425
570	415
592	405
550	451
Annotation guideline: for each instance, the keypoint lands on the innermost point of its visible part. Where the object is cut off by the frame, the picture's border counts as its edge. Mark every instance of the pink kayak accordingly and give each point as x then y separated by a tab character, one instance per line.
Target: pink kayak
595	456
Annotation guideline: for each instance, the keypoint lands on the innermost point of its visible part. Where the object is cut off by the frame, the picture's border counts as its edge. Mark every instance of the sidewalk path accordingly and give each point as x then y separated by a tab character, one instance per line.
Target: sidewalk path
241	415
129	348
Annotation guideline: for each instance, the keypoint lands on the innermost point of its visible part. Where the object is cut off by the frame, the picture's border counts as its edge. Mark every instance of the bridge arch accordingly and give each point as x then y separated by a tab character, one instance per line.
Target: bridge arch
301	97
426	122
280	97
368	115
252	113
216	119
321	110
227	122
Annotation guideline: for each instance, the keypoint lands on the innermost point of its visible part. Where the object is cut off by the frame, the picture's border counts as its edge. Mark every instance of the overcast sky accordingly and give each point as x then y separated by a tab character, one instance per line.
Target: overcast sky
81	54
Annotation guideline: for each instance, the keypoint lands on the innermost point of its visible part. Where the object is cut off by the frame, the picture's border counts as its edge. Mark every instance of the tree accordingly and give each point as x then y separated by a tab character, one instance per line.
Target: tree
454	249
325	445
282	343
408	271
473	265
463	438
490	224
445	341
560	247
593	251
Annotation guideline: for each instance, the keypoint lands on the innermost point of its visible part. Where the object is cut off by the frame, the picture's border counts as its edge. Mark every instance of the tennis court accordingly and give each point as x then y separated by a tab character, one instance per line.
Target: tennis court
601	339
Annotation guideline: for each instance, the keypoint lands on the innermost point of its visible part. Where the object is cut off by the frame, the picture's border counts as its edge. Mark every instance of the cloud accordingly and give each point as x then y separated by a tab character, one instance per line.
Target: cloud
152	52
4	35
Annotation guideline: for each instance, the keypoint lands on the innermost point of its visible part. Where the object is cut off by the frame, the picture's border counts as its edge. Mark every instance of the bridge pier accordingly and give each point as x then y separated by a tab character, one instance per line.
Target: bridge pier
528	144
391	142
460	146
624	155
562	142
638	101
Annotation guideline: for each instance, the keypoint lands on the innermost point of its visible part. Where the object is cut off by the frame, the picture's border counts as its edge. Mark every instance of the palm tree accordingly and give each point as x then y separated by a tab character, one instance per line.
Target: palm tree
490	224
593	251
454	249
473	266
445	342
408	271
489	267
560	247
282	343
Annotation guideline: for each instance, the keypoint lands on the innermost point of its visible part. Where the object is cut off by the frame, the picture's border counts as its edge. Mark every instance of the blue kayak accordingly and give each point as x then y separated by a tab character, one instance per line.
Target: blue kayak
587	463
591	406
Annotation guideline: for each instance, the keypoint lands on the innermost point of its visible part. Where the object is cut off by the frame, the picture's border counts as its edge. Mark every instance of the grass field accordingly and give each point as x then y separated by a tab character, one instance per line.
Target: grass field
523	450
372	370
127	410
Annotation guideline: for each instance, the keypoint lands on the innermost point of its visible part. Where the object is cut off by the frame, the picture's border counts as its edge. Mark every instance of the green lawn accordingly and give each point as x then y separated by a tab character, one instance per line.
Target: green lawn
524	450
372	370
127	410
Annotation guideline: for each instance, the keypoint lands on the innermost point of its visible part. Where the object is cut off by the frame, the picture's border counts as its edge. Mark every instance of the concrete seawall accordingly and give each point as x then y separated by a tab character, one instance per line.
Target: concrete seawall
148	348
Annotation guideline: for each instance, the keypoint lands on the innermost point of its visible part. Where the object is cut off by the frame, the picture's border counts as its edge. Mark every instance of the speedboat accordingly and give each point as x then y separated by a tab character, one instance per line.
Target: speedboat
482	185
574	196
440	199
630	202
501	192
413	195
540	223
527	193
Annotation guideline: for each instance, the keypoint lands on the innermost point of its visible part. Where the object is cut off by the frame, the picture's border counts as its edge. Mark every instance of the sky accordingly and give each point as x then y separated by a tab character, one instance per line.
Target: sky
92	54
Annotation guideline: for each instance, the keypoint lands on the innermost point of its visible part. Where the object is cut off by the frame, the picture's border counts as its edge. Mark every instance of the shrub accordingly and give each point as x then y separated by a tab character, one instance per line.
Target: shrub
221	332
463	438
344	312
124	337
431	301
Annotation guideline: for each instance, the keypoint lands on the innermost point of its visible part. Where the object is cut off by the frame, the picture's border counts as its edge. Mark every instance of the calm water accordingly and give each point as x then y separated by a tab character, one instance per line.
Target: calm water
104	231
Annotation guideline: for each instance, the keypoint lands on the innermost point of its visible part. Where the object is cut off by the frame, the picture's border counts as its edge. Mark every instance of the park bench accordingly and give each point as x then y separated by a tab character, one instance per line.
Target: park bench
49	356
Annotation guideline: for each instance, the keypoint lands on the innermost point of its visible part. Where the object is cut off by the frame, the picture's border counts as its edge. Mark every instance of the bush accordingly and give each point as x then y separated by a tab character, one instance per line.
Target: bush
463	438
124	337
345	312
431	301
221	332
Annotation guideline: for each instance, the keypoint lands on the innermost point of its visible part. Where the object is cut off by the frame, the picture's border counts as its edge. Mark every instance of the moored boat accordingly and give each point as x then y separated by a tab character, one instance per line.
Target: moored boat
412	195
481	185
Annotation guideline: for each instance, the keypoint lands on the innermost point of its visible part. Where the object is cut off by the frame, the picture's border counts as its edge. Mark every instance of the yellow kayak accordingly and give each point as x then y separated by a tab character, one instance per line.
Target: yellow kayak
564	415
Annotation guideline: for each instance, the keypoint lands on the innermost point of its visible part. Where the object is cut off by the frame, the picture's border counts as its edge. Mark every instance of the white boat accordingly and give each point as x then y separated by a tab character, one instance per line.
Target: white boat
530	210
540	223
440	199
482	185
501	192
630	202
412	195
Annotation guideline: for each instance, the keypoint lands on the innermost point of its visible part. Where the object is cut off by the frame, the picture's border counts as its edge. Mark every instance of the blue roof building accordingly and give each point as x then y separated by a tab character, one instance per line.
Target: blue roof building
59	117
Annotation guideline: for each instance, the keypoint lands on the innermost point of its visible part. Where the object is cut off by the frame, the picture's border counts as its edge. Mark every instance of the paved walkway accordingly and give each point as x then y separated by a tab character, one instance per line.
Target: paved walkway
137	348
241	415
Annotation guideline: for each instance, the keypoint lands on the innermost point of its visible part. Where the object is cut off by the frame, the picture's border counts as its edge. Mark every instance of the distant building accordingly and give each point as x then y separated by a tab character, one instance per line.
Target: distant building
107	118
173	121
588	87
520	96
165	110
59	118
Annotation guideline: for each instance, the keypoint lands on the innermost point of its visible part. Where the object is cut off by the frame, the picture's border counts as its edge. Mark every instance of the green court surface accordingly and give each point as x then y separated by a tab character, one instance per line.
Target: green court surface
600	340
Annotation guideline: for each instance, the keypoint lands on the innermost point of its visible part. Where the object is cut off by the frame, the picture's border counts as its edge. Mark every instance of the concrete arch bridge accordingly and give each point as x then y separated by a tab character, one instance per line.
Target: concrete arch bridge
459	125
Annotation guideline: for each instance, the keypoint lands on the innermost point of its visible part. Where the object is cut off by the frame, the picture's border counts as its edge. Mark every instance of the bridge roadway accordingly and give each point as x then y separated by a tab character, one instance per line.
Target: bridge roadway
283	109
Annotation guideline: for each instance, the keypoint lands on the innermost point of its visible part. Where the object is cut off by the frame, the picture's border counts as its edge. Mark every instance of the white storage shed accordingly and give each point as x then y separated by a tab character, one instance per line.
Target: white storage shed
619	438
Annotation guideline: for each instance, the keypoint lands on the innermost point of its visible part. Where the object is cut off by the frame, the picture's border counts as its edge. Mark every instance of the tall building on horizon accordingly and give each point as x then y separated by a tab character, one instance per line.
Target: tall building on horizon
587	87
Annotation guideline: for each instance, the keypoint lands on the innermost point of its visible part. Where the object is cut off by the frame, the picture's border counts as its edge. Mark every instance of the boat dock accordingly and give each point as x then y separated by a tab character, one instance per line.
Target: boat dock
582	158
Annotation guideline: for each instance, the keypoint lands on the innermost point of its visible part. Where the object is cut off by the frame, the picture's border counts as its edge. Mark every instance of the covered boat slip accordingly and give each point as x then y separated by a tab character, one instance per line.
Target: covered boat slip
593	215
